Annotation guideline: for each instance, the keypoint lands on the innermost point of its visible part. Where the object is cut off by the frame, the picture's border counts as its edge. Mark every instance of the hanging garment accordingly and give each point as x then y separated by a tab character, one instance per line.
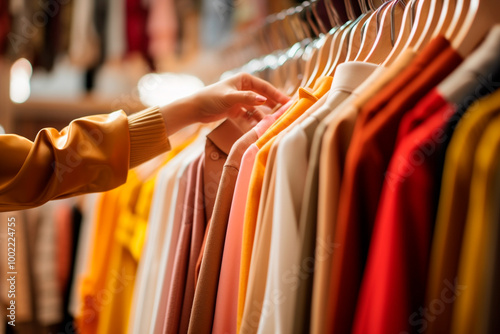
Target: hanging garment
148	272
206	289
173	220
480	68
403	228
227	302
84	41
136	13
93	282
306	100
24	279
371	147
328	152
218	145
348	77
286	213
480	232
4	25
82	259
262	242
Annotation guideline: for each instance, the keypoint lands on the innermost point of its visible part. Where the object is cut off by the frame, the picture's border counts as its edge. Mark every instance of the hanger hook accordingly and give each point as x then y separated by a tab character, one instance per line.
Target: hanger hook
280	22
372	5
289	21
308	12
299	15
321	24
379	12
362	6
331	15
350	10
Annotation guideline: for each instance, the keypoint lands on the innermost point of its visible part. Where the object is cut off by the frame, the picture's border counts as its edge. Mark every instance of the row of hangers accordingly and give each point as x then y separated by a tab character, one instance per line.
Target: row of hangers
306	42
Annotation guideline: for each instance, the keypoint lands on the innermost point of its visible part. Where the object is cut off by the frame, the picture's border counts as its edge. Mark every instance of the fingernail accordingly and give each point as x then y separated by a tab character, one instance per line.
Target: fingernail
260	99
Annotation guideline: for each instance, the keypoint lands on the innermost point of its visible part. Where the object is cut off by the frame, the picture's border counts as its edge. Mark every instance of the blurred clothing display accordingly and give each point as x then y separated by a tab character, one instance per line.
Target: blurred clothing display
366	204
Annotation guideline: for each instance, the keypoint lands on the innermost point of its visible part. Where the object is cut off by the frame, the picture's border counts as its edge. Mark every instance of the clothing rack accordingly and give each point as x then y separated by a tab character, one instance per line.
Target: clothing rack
366	204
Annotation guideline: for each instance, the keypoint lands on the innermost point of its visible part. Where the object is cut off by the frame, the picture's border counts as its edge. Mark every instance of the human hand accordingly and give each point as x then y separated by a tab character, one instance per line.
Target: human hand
237	96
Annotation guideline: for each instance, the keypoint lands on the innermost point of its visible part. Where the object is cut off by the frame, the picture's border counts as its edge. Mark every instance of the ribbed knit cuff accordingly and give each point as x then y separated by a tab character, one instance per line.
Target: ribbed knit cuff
148	136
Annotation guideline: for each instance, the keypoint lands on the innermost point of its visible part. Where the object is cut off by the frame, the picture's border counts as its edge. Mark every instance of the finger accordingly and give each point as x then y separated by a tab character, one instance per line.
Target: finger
265	109
247	98
247	113
264	88
258	115
254	113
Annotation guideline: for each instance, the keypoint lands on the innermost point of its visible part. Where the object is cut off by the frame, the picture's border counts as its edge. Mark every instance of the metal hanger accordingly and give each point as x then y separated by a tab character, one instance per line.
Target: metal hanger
404	33
369	32
390	20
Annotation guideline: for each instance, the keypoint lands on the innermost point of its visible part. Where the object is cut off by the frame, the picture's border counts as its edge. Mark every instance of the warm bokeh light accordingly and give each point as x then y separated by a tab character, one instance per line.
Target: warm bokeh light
161	89
20	75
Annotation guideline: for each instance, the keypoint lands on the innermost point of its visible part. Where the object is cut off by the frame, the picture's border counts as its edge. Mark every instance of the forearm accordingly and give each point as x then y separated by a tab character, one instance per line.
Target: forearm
179	114
92	154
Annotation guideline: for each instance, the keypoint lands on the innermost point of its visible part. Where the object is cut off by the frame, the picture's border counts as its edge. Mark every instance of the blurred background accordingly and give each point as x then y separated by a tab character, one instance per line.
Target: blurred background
62	59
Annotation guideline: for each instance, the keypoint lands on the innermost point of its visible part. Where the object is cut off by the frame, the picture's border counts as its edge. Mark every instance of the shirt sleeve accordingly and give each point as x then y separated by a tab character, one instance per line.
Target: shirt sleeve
91	154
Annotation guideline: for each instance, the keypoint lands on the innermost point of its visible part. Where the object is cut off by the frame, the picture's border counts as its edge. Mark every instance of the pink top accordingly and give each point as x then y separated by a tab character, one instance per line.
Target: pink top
227	294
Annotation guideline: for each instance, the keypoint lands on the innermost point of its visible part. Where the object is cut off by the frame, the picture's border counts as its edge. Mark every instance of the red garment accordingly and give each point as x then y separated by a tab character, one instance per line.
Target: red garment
367	159
393	285
136	19
4	25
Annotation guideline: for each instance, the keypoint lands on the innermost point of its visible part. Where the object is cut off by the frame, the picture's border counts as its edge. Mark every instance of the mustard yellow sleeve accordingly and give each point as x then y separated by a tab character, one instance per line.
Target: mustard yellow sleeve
91	154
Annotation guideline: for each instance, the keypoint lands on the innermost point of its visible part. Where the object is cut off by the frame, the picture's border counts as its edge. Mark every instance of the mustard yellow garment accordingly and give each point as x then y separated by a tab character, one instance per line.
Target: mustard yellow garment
478	243
453	207
122	268
95	289
128	241
91	154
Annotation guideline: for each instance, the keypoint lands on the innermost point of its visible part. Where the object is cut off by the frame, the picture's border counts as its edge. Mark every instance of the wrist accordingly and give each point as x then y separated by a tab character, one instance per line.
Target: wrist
179	114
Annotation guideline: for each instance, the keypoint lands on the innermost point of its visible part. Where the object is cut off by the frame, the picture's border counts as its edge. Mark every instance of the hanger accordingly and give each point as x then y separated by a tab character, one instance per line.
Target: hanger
355	8
311	51
404	33
355	37
374	4
325	40
340	43
284	57
363	6
295	55
424	7
370	30
390	24
447	14
461	10
349	9
338	12
432	21
341	51
335	32
481	17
